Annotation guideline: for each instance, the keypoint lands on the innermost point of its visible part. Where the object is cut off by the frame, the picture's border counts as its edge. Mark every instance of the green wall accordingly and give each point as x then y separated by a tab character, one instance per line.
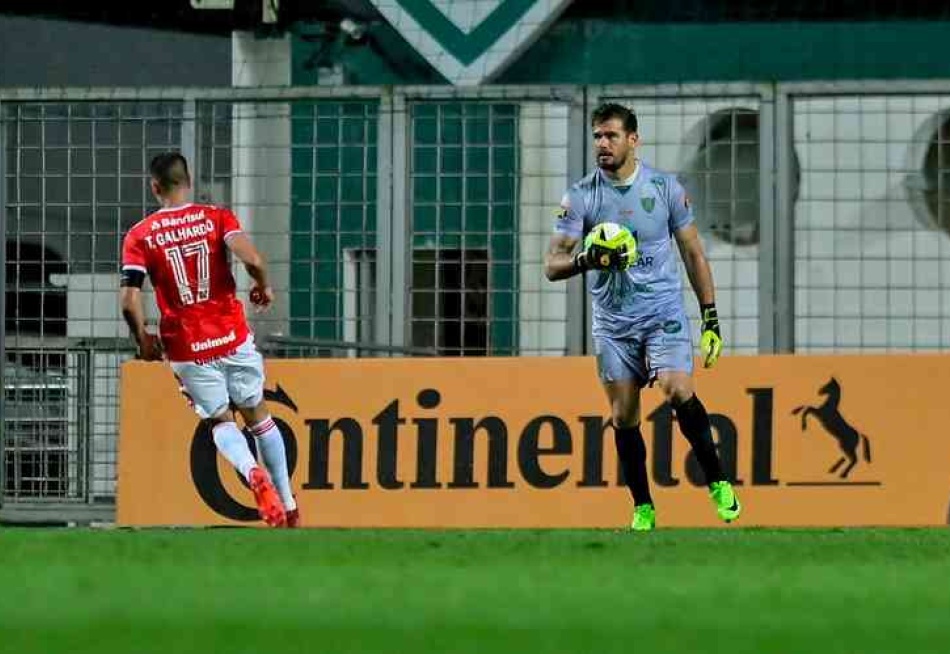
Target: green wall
688	52
577	51
333	206
464	194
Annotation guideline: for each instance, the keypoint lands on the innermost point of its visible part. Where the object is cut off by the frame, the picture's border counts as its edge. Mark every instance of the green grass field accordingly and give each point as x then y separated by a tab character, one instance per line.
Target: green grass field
492	592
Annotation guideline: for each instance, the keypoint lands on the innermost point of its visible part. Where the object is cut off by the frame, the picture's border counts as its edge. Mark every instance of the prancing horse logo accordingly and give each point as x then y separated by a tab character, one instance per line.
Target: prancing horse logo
829	415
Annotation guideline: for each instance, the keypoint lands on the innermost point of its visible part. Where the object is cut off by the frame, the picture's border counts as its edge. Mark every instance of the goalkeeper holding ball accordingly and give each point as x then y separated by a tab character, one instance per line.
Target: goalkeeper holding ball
625	213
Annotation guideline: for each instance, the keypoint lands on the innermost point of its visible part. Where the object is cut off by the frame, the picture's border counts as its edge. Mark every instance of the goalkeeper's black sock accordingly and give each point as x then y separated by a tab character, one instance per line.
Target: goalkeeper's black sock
694	423
632	452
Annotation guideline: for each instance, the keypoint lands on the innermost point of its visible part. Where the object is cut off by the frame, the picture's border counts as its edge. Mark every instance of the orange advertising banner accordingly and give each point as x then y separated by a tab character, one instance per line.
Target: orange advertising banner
525	442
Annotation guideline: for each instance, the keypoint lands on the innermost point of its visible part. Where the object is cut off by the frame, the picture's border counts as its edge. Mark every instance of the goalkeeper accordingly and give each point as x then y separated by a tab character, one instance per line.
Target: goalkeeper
640	332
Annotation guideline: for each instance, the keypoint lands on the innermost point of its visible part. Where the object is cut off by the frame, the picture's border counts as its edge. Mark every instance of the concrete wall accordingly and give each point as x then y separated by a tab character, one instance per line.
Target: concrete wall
39	52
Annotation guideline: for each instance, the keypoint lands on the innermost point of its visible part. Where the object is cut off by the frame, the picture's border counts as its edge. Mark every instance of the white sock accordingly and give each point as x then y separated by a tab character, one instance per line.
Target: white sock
271	446
233	447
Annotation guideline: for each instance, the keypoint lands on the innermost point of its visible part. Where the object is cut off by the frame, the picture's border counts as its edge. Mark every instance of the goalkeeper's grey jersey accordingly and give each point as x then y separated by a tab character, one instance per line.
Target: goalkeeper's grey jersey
652	205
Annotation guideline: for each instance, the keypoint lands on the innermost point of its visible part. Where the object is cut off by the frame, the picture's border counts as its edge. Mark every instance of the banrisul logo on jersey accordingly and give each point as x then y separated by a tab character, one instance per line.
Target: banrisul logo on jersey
475	442
470	42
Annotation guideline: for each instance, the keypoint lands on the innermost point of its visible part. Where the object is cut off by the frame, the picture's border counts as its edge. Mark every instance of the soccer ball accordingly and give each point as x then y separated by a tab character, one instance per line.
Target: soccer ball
611	241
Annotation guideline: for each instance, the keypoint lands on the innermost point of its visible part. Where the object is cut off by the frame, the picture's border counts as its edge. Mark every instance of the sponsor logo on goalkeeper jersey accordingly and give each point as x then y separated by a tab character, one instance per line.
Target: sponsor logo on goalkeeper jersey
643	262
672	326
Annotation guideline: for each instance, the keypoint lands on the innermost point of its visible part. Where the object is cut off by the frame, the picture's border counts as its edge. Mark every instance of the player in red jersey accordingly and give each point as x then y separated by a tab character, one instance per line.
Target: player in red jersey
183	248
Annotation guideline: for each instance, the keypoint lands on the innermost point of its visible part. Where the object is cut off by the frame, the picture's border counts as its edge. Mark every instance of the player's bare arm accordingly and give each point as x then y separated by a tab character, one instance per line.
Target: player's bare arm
700	277
697	266
559	262
149	346
262	295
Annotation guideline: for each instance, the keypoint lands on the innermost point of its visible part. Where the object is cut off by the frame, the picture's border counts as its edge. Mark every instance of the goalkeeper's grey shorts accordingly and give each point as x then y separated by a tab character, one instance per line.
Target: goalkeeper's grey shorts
662	344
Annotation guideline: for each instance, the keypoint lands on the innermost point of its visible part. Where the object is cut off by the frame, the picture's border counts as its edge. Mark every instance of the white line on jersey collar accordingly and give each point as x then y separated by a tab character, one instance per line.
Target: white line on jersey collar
630	180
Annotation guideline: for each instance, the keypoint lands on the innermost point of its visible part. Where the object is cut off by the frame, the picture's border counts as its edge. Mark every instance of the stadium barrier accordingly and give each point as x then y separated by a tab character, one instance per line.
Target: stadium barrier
518	442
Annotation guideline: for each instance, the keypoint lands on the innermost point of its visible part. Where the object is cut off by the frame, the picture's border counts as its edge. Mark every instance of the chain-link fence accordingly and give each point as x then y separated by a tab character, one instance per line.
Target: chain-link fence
713	143
871	220
74	175
414	221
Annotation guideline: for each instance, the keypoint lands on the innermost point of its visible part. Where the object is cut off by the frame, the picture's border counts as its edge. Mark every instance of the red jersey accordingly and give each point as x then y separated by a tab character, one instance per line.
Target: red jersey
184	252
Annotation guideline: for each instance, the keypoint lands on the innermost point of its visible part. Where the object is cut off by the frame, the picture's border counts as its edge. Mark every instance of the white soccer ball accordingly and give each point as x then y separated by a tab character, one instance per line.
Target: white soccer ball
608	235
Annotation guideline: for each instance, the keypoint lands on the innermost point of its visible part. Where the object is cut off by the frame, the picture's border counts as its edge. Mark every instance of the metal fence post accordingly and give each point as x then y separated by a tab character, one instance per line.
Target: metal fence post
784	242
384	218
767	224
578	330
3	306
400	241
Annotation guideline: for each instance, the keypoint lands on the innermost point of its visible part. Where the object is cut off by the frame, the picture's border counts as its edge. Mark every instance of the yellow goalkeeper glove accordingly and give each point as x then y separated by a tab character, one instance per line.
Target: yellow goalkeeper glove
710	340
608	246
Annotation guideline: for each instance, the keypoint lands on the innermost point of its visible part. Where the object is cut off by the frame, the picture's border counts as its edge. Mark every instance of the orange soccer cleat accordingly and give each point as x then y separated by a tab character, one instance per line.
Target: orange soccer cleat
268	501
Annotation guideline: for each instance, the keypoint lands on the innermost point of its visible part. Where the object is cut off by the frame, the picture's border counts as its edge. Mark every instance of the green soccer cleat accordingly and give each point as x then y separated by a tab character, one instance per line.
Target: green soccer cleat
726	500
644	518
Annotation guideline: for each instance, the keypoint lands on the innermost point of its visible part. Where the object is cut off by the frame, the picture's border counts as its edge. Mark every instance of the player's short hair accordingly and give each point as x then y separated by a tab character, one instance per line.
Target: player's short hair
169	170
609	110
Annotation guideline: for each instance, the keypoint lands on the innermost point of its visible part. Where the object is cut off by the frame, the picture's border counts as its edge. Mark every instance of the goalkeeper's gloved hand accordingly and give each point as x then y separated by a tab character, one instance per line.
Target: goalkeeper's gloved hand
710	340
597	256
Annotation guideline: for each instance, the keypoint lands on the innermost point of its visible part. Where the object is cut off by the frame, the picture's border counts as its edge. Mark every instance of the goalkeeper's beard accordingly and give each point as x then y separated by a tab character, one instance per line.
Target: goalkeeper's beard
616	163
